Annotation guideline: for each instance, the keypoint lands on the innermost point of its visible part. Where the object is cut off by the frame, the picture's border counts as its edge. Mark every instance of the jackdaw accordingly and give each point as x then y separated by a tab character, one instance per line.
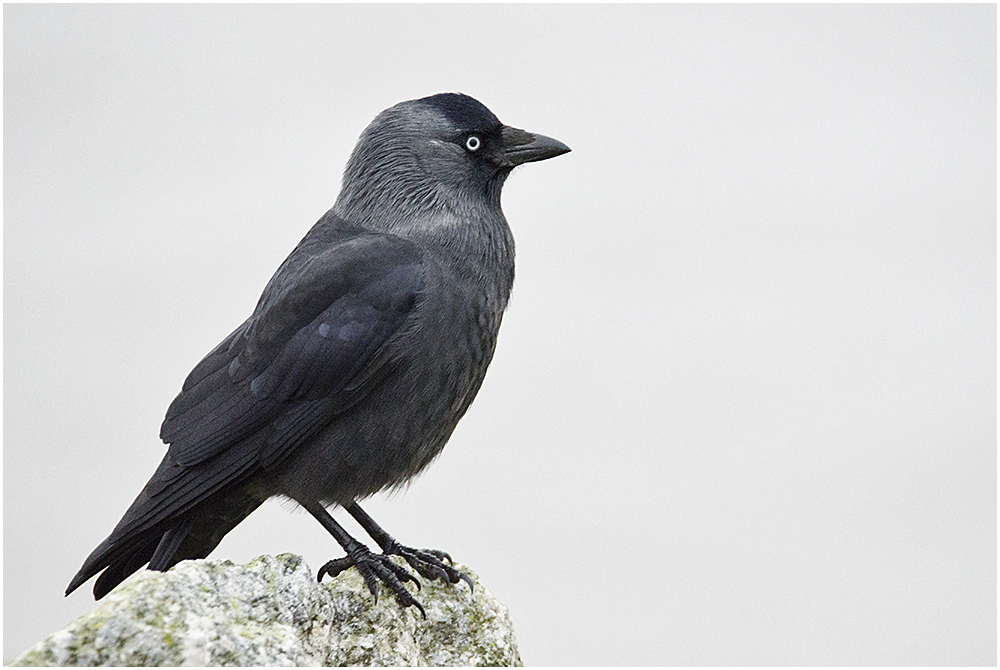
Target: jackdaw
365	349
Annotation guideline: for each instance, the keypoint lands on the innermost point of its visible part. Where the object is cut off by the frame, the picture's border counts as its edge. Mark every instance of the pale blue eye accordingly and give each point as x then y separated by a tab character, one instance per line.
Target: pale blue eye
473	143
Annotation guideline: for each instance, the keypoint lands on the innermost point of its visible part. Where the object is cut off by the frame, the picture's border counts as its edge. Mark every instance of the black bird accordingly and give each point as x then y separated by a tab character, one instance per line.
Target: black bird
365	349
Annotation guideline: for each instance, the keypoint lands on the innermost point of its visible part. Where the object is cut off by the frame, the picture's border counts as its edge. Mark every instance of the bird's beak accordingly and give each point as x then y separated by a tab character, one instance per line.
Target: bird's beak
520	146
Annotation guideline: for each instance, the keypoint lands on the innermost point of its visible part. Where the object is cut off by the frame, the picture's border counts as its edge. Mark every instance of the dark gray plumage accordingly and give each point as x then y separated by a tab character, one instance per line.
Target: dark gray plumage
365	349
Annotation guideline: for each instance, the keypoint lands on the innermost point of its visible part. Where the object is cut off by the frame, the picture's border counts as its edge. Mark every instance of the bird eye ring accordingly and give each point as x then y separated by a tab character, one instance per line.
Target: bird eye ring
473	143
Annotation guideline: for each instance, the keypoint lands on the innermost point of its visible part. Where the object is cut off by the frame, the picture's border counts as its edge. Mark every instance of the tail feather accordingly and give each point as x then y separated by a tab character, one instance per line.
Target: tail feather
119	558
169	543
117	571
193	534
181	513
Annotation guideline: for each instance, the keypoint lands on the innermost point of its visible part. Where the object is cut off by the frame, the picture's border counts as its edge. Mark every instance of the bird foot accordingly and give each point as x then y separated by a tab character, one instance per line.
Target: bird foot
374	567
430	563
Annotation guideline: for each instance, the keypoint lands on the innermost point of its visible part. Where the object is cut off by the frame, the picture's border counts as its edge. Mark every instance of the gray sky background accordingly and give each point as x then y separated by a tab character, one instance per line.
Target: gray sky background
743	408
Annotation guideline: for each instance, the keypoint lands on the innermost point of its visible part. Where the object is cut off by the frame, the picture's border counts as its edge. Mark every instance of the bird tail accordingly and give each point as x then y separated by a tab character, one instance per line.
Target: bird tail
189	535
119	557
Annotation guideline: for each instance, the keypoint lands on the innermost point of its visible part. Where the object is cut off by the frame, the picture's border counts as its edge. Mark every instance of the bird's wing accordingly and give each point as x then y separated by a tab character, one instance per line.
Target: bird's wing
317	341
319	328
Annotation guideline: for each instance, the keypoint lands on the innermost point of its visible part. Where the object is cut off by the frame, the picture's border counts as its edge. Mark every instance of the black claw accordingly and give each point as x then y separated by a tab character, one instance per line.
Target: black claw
440	554
430	572
370	580
429	563
373	568
402	573
421	608
334	568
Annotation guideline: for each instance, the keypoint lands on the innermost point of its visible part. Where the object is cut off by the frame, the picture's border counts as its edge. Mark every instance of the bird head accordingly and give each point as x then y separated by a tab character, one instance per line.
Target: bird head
447	150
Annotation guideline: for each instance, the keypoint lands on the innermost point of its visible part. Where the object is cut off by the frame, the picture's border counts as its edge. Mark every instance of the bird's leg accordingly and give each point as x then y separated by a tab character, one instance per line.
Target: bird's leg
428	562
371	566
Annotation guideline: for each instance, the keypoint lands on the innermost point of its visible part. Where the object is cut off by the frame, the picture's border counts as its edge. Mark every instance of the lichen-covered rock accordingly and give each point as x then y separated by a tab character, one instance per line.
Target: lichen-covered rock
272	611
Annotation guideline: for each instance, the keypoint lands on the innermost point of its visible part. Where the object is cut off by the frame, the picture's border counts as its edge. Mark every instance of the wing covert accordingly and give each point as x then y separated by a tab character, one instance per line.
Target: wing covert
319	324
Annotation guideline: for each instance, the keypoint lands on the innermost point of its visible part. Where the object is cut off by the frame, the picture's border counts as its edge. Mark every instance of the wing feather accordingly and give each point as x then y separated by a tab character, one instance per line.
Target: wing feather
300	346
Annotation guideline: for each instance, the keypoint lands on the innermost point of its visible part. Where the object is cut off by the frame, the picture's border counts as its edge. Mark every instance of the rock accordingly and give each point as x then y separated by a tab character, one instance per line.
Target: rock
272	611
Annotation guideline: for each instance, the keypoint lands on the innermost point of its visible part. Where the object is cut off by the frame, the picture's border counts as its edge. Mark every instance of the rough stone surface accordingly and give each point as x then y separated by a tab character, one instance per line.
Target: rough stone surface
272	611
